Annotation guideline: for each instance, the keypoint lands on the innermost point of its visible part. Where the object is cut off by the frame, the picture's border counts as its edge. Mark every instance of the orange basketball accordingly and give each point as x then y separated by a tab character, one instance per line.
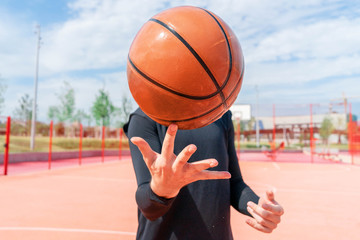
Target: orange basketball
185	66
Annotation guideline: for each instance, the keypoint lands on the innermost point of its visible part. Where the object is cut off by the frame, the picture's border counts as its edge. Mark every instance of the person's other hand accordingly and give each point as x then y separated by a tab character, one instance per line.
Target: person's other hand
266	213
169	173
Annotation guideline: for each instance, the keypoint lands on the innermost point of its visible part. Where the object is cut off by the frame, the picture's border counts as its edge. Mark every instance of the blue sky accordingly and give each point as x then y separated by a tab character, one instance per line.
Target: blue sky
296	52
43	11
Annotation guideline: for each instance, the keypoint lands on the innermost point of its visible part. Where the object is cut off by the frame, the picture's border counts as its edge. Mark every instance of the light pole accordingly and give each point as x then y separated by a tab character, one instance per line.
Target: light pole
33	119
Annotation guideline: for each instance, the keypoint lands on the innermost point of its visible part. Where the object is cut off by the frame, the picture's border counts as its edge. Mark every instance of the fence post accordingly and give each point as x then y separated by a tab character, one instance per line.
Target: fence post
274	126
311	135
7	145
80	144
50	144
103	144
350	135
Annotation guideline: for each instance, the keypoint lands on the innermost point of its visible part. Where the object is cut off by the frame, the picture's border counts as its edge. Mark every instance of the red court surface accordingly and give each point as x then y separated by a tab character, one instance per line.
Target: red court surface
96	201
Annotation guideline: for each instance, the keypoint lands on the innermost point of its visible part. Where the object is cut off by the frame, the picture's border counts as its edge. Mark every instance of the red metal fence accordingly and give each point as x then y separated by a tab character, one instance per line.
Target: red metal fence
285	127
54	142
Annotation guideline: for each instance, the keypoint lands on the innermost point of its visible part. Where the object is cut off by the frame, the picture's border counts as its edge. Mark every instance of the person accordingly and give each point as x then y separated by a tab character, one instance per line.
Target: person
188	179
274	150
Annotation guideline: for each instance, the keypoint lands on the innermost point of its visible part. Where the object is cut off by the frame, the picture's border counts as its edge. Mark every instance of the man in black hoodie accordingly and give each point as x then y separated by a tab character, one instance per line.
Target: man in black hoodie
172	202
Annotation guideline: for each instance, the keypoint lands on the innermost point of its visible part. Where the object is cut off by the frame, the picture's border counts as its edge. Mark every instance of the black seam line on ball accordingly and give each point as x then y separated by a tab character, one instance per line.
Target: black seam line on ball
238	82
211	110
228	46
195	54
166	88
188	119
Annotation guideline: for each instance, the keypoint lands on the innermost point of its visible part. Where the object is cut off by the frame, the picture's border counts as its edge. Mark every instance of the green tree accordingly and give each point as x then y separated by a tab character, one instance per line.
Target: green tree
339	126
102	108
250	126
24	111
3	88
53	112
123	112
326	129
82	116
65	111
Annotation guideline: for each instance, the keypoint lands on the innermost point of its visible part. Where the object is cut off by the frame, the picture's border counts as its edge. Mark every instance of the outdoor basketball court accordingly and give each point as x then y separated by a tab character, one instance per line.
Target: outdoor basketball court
96	200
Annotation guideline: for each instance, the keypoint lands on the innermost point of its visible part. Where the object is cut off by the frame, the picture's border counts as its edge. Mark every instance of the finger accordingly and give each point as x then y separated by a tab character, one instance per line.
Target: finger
274	208
184	156
253	223
270	195
208	175
168	146
199	166
148	154
264	222
264	213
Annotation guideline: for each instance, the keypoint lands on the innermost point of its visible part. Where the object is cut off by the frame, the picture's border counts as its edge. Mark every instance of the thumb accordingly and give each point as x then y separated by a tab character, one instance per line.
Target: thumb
148	154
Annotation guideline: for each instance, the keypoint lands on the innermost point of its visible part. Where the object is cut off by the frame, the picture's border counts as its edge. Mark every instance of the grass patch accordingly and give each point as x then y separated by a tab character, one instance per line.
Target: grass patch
22	144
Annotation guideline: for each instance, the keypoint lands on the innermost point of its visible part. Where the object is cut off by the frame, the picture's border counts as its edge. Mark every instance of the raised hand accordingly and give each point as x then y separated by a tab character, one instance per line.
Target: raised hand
169	173
266	214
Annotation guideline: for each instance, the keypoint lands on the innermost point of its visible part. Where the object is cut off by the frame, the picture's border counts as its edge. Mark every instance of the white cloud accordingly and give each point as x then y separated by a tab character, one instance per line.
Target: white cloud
271	73
326	39
99	35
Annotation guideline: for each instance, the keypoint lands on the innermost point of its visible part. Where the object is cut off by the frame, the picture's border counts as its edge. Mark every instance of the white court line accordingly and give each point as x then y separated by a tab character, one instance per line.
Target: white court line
66	230
319	191
97	178
347	168
261	186
276	165
60	168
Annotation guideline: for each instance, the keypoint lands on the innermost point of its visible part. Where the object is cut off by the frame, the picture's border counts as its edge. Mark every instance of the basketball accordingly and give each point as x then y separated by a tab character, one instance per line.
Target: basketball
185	66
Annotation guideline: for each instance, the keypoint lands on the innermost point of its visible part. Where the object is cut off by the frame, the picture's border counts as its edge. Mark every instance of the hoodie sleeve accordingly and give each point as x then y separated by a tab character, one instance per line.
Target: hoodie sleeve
151	205
241	193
